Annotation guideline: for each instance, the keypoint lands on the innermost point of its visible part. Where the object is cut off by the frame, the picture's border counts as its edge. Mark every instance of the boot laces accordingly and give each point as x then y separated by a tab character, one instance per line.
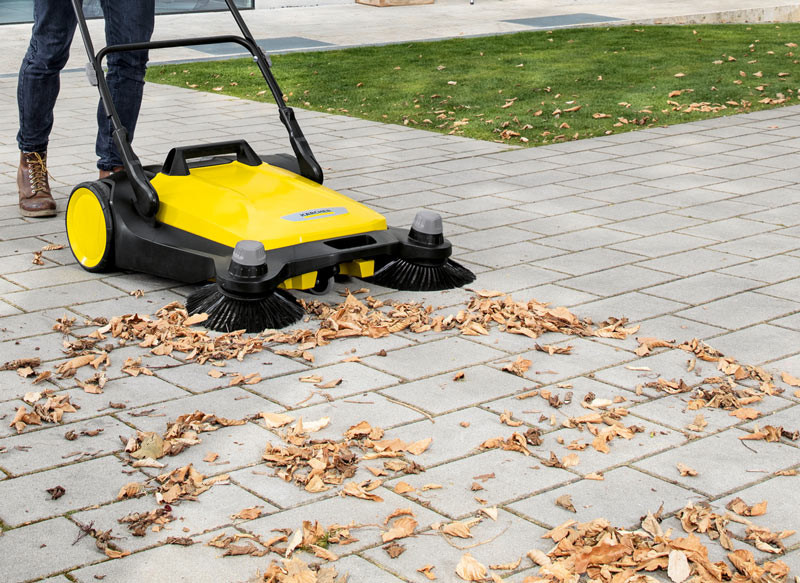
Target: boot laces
37	172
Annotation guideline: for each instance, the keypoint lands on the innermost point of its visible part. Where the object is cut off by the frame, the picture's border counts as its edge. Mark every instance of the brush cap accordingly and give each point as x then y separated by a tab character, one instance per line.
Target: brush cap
249	253
427	222
249	260
427	229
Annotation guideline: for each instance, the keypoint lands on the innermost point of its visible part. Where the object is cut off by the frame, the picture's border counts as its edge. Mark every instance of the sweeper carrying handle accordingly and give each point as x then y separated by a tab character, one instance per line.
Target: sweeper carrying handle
175	164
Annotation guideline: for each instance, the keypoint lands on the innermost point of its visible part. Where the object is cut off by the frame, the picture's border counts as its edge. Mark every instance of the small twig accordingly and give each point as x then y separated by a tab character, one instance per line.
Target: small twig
472	546
85	529
412	407
747	446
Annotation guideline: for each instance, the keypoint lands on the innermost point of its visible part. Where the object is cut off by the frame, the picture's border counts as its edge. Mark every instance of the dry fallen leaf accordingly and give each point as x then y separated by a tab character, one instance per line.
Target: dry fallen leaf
469	569
686	470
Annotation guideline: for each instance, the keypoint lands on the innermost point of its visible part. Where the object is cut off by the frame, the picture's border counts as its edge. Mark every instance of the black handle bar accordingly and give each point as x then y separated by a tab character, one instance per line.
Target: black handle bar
146	197
175	164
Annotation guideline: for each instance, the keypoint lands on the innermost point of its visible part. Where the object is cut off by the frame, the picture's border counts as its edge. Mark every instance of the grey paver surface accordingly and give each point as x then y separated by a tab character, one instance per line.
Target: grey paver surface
688	231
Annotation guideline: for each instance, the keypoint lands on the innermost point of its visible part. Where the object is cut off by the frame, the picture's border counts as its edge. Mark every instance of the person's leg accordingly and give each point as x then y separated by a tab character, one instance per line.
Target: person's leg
37	90
126	22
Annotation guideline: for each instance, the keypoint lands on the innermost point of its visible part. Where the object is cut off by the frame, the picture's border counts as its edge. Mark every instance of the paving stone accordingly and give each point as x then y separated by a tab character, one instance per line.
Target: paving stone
512	279
362	570
47	347
516	475
625	494
559	224
699	289
788	289
43	548
721	454
495	218
441	393
513	254
471	205
61	295
586	356
506	540
661	244
451	439
432	358
718	210
561	205
537	412
357	346
212	510
583	262
670	364
197	563
784	216
555	295
672	411
727	229
585	239
131	392
617	280
345	510
758	246
488	238
355	378
759	343
262	481
781	508
789	322
232	403
743	309
97	481
668	327
635	306
148	304
654	224
771	270
47	447
652	438
693	262
57	275
195	378
238	446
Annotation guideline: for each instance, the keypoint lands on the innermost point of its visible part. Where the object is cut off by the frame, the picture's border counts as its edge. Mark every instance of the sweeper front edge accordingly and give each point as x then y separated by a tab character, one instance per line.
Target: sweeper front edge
257	226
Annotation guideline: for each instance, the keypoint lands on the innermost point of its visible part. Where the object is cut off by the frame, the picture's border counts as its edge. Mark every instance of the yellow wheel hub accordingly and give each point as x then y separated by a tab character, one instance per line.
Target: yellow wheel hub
87	228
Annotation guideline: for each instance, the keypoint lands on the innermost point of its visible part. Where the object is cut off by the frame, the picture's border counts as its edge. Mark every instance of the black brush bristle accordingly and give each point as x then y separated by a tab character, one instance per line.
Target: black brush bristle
227	313
403	275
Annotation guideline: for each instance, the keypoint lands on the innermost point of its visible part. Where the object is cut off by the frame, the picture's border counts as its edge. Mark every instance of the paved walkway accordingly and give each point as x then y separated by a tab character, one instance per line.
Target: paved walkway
689	231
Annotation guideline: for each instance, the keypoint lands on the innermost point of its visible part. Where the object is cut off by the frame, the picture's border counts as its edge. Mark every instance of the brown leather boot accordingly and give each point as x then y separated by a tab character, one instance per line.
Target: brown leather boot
35	199
107	173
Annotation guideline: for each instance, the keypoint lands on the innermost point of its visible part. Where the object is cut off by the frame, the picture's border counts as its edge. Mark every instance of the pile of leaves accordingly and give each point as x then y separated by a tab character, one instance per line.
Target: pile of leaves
184	483
148	446
51	411
319	465
604	553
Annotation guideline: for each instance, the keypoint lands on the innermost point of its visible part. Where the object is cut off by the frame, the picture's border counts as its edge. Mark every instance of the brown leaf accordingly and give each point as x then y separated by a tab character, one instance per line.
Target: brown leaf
686	470
469	569
458	529
401	528
565	501
248	513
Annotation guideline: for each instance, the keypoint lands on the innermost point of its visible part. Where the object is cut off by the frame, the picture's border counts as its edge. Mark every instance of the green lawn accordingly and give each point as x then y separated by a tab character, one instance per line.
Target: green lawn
534	87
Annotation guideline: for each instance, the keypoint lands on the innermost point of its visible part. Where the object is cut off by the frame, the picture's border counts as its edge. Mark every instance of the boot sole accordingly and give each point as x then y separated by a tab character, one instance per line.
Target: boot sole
42	213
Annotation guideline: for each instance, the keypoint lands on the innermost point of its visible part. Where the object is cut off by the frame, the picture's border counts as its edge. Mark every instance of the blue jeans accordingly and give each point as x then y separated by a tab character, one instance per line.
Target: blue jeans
126	21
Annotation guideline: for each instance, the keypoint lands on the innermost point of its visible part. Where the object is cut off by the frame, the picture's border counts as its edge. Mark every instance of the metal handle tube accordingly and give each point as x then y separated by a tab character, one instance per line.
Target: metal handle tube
146	197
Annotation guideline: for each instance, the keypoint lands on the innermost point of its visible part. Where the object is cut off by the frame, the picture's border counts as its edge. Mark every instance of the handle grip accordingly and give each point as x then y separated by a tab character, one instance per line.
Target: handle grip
176	165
